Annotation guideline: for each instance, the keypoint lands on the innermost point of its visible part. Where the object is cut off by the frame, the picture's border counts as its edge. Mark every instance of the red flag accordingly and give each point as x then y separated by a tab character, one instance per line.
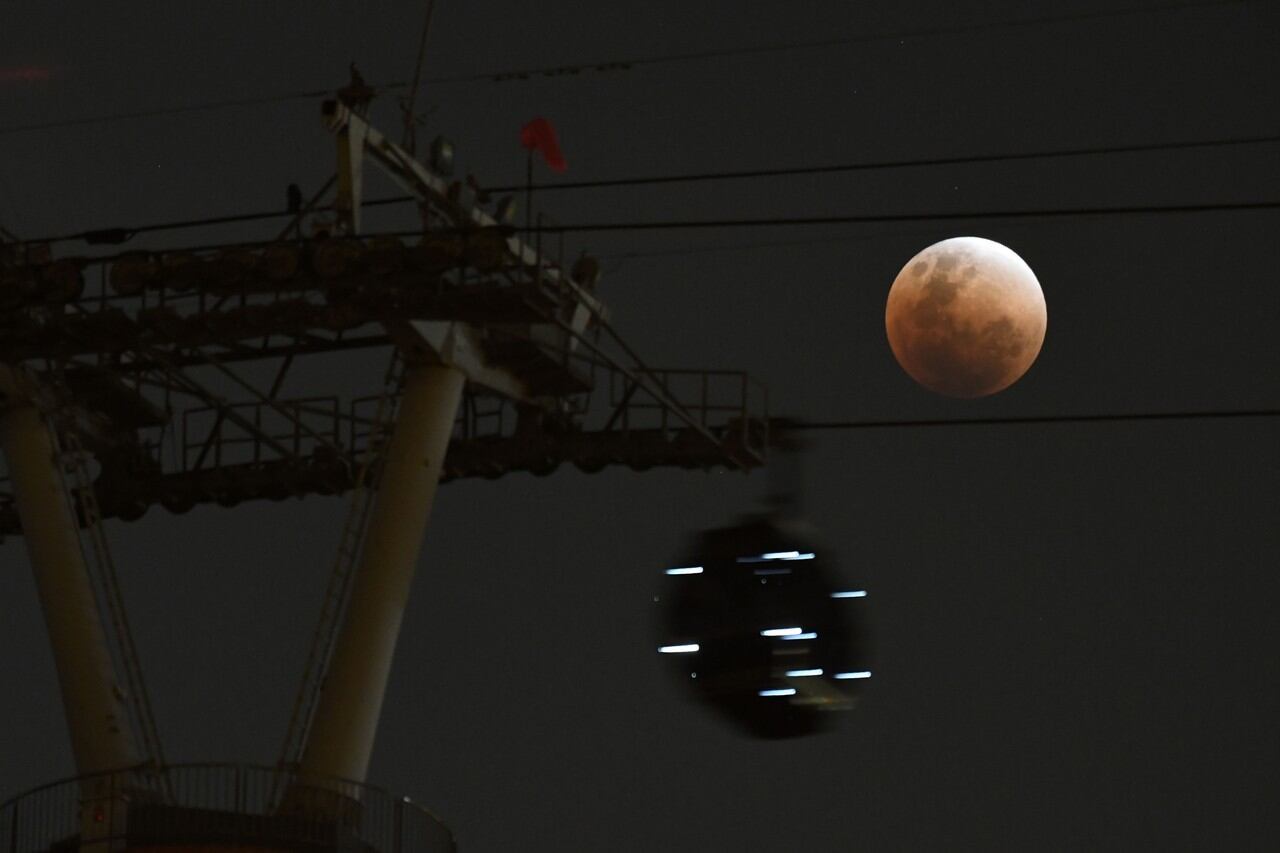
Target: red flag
539	135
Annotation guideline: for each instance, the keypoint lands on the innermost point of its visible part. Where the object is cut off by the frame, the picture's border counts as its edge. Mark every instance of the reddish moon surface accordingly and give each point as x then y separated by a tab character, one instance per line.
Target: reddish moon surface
966	317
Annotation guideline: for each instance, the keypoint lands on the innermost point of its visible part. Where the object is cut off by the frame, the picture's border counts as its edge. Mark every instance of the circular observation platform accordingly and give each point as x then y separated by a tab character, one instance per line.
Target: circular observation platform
216	807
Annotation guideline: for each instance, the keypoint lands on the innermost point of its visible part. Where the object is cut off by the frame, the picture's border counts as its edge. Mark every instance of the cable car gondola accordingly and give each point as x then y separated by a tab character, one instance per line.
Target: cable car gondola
753	627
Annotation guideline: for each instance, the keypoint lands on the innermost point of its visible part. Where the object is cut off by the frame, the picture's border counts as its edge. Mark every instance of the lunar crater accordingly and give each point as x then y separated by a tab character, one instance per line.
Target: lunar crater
966	317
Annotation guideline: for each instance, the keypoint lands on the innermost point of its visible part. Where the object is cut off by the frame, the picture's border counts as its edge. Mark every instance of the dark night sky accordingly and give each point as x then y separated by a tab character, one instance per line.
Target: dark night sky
1076	625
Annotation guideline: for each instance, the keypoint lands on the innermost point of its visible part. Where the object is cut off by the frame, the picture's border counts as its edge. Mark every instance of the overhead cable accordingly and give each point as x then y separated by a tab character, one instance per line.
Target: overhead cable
878	165
776	222
788	47
666	225
615	65
228	103
120	235
1208	414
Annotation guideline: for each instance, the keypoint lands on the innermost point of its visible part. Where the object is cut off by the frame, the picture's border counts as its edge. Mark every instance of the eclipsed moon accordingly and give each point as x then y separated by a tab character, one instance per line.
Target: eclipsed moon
966	317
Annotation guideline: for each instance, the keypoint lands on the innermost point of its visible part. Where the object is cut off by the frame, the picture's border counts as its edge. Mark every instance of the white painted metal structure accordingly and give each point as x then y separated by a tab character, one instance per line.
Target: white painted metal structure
350	703
92	699
442	356
320	776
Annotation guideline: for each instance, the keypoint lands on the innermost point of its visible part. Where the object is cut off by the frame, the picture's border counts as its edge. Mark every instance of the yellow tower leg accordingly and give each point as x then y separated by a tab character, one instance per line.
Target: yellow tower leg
96	717
346	717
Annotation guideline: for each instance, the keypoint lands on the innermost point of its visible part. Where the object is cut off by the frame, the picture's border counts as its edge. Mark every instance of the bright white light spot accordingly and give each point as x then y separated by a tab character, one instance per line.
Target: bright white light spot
686	570
853	593
803	673
844	675
807	635
781	632
678	650
777	555
782	691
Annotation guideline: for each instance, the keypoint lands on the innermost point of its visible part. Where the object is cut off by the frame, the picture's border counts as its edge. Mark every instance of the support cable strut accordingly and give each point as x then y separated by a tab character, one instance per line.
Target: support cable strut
409	140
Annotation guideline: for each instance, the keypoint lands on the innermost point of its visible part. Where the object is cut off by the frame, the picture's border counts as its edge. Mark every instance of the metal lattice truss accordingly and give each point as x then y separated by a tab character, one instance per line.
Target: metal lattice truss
170	365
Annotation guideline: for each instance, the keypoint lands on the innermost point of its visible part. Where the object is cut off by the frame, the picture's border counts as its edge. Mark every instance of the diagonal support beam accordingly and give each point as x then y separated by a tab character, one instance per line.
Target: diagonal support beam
346	718
96	716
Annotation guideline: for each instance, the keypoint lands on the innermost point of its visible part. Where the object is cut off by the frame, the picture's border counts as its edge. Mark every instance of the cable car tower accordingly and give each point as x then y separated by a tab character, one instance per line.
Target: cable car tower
156	377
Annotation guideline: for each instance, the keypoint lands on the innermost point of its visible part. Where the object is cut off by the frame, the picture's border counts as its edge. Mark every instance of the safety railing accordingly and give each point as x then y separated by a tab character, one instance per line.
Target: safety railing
478	416
712	398
243	433
216	805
